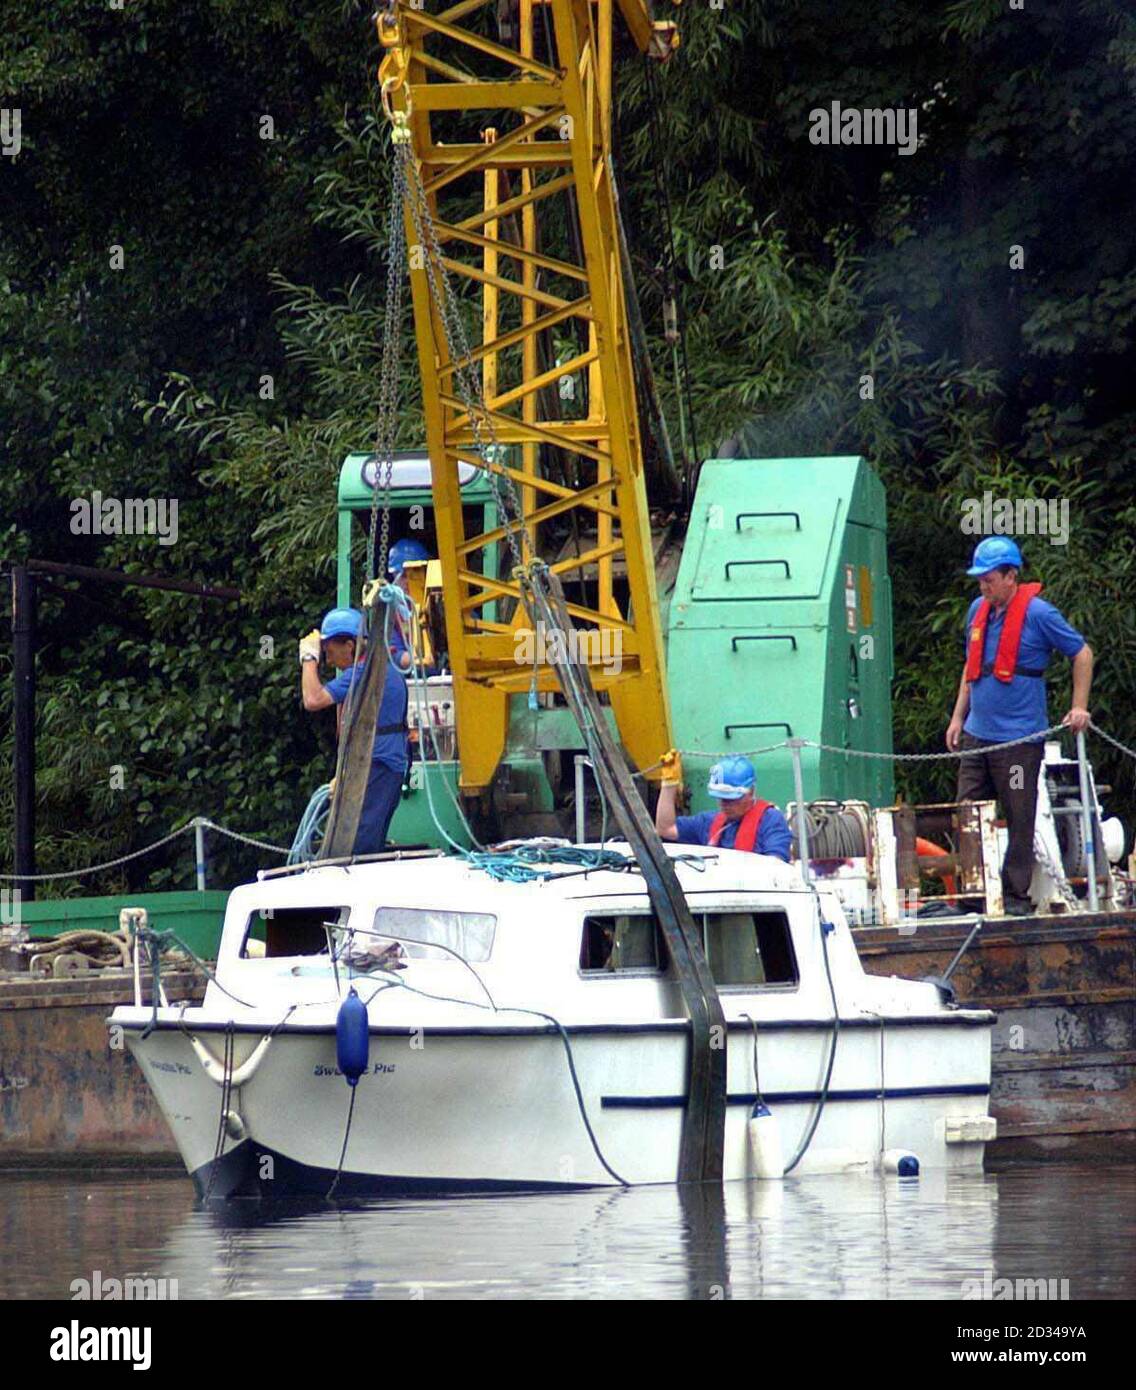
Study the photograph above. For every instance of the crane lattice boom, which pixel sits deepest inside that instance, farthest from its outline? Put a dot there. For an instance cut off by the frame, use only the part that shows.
(512, 152)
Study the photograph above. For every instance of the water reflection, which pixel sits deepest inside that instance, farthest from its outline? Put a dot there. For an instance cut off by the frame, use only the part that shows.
(824, 1238)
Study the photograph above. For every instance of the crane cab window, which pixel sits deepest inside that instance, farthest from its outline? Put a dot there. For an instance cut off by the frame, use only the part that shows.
(753, 949)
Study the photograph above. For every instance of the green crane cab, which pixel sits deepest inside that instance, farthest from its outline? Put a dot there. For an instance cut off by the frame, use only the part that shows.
(778, 625)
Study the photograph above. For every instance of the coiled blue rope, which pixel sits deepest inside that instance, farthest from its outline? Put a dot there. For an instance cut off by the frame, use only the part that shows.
(313, 824)
(523, 863)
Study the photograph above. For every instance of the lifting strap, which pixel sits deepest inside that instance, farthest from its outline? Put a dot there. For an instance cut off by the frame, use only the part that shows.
(356, 742)
(702, 1145)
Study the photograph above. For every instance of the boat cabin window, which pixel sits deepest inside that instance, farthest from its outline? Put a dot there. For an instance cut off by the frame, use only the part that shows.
(291, 931)
(621, 941)
(466, 934)
(749, 948)
(742, 948)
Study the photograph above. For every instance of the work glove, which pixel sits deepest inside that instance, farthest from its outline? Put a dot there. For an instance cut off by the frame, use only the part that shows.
(672, 769)
(310, 646)
(331, 789)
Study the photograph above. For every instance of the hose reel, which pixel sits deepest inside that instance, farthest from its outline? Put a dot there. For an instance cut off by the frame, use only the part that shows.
(836, 829)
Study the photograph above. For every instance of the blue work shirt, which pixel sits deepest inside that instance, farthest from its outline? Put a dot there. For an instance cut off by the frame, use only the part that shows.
(773, 834)
(1004, 710)
(398, 647)
(389, 749)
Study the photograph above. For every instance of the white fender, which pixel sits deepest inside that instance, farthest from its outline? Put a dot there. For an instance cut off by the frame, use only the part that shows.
(215, 1071)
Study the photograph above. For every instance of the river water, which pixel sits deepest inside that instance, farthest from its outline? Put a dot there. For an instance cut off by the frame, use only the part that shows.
(811, 1238)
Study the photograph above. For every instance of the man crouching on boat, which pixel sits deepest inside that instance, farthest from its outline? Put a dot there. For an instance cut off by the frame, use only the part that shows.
(339, 639)
(742, 822)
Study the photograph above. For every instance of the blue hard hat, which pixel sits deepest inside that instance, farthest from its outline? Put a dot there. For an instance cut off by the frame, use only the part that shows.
(405, 552)
(731, 779)
(992, 552)
(341, 622)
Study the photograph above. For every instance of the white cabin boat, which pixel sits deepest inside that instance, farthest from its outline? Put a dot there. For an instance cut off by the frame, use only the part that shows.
(483, 998)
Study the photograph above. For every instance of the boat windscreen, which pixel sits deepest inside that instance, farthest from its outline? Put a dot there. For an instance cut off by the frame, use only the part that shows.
(465, 934)
(291, 931)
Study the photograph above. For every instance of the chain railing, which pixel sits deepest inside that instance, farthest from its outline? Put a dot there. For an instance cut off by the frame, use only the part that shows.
(793, 745)
(197, 824)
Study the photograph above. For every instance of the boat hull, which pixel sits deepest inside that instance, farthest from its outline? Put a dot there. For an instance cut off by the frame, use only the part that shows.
(460, 1110)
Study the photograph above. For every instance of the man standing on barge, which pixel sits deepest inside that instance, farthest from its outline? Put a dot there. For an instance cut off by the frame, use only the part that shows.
(1011, 634)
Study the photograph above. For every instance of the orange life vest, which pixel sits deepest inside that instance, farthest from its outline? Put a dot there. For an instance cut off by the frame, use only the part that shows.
(747, 830)
(1006, 658)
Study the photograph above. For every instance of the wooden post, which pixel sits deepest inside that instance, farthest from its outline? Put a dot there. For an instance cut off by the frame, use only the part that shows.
(23, 721)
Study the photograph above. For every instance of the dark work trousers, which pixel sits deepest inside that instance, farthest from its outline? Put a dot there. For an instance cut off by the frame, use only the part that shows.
(992, 777)
(384, 786)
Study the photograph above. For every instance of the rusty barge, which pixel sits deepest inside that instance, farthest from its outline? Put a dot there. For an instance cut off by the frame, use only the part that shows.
(1062, 980)
(68, 1096)
(1063, 1084)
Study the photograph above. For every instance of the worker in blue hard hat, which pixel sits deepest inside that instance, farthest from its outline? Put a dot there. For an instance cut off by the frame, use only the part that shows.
(402, 553)
(340, 641)
(1011, 633)
(741, 822)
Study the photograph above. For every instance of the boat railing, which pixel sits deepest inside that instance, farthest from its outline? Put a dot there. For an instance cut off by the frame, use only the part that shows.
(347, 861)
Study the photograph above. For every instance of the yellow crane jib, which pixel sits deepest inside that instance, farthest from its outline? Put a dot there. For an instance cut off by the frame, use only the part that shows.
(527, 218)
(544, 403)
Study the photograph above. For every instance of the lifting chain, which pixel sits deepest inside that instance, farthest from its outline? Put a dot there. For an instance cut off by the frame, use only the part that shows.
(387, 426)
(467, 380)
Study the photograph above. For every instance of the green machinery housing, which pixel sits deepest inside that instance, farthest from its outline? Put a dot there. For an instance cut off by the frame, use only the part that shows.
(778, 625)
(526, 783)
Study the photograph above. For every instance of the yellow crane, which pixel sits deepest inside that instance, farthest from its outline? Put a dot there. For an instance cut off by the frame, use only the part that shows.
(511, 186)
(504, 167)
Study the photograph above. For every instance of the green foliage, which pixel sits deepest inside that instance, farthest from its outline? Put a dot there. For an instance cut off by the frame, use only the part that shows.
(142, 129)
(850, 262)
(837, 299)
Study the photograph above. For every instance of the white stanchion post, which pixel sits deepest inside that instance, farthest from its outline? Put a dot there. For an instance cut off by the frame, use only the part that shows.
(1087, 823)
(580, 762)
(199, 851)
(795, 745)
